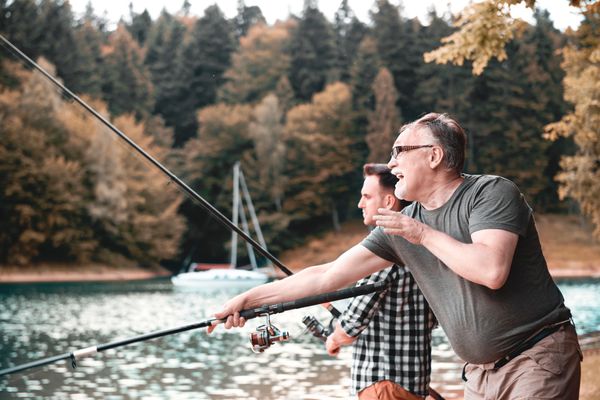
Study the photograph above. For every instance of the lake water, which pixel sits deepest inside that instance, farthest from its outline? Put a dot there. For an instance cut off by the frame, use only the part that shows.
(42, 320)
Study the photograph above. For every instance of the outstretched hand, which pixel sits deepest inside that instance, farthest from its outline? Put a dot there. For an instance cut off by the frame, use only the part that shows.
(396, 223)
(230, 314)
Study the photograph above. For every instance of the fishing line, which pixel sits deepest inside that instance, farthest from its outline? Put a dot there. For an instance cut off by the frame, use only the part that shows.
(172, 177)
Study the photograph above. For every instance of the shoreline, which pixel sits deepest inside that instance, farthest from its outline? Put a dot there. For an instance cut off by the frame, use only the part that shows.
(572, 255)
(104, 273)
(94, 273)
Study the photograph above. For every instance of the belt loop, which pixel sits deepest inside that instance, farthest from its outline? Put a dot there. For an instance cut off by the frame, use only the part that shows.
(464, 376)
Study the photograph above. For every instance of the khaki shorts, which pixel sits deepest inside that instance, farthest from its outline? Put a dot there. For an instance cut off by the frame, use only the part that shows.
(386, 390)
(549, 370)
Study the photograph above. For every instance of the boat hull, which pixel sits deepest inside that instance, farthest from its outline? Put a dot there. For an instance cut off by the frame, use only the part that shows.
(220, 278)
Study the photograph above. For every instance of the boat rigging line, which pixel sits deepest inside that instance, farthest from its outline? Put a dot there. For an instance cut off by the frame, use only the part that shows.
(261, 340)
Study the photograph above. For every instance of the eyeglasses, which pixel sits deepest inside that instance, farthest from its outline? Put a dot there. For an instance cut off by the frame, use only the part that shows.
(396, 150)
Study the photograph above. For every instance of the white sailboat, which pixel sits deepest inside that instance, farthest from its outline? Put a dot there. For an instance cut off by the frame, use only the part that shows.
(228, 276)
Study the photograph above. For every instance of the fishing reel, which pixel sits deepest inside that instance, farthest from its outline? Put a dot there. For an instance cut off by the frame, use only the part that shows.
(316, 328)
(266, 335)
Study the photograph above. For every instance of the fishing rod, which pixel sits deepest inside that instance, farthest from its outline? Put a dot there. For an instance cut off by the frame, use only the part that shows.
(260, 340)
(174, 178)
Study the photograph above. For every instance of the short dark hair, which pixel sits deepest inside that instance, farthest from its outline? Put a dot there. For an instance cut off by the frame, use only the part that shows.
(386, 178)
(449, 135)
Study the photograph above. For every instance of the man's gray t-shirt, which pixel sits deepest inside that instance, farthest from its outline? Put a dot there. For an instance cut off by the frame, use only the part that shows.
(482, 324)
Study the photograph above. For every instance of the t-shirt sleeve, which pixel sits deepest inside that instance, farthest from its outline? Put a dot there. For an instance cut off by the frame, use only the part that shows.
(498, 204)
(379, 244)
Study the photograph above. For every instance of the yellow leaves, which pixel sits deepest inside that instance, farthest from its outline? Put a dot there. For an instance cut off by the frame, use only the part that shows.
(484, 30)
(258, 64)
(322, 119)
(580, 175)
(319, 150)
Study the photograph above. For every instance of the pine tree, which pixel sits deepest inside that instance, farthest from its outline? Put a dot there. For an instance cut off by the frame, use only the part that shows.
(313, 54)
(58, 41)
(163, 50)
(363, 73)
(126, 86)
(442, 88)
(546, 76)
(88, 74)
(21, 24)
(364, 69)
(140, 25)
(204, 60)
(349, 32)
(384, 121)
(512, 109)
(246, 18)
(395, 40)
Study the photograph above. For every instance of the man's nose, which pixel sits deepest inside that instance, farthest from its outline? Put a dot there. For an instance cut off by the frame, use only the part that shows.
(392, 163)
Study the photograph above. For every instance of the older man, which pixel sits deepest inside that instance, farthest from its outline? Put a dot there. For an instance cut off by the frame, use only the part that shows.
(471, 243)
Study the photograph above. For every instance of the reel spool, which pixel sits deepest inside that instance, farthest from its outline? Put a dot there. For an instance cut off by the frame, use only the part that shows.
(266, 335)
(315, 327)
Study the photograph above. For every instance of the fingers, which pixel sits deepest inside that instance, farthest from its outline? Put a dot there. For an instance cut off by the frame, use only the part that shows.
(212, 327)
(333, 348)
(228, 320)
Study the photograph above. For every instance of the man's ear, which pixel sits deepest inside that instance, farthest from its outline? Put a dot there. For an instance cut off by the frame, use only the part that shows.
(390, 201)
(436, 157)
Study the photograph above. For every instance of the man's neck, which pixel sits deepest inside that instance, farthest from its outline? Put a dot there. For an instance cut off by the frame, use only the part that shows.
(441, 192)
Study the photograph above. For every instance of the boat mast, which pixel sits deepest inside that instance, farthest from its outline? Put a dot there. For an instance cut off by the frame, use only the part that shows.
(252, 212)
(235, 207)
(249, 248)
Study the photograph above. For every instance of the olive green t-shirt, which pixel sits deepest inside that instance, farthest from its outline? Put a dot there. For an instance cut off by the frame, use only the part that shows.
(482, 324)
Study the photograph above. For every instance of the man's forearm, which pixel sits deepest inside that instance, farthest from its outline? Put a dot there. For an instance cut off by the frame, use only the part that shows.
(290, 288)
(311, 281)
(486, 261)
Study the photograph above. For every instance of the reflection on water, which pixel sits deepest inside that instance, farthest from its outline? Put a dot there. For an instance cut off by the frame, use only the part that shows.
(43, 320)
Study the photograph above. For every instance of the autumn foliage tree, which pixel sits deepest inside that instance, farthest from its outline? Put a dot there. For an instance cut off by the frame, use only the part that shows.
(580, 175)
(69, 193)
(321, 164)
(261, 60)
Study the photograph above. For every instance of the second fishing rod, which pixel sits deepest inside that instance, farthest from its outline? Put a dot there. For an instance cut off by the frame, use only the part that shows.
(264, 336)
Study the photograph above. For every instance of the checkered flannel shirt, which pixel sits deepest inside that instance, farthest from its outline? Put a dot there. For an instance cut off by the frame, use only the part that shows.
(394, 333)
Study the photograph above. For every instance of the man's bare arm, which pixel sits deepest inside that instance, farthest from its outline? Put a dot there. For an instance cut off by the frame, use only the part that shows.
(354, 264)
(486, 261)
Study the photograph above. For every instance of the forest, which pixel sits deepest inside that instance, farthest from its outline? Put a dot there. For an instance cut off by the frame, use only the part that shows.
(302, 103)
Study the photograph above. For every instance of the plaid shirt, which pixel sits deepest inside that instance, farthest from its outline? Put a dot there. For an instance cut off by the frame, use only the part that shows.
(394, 333)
